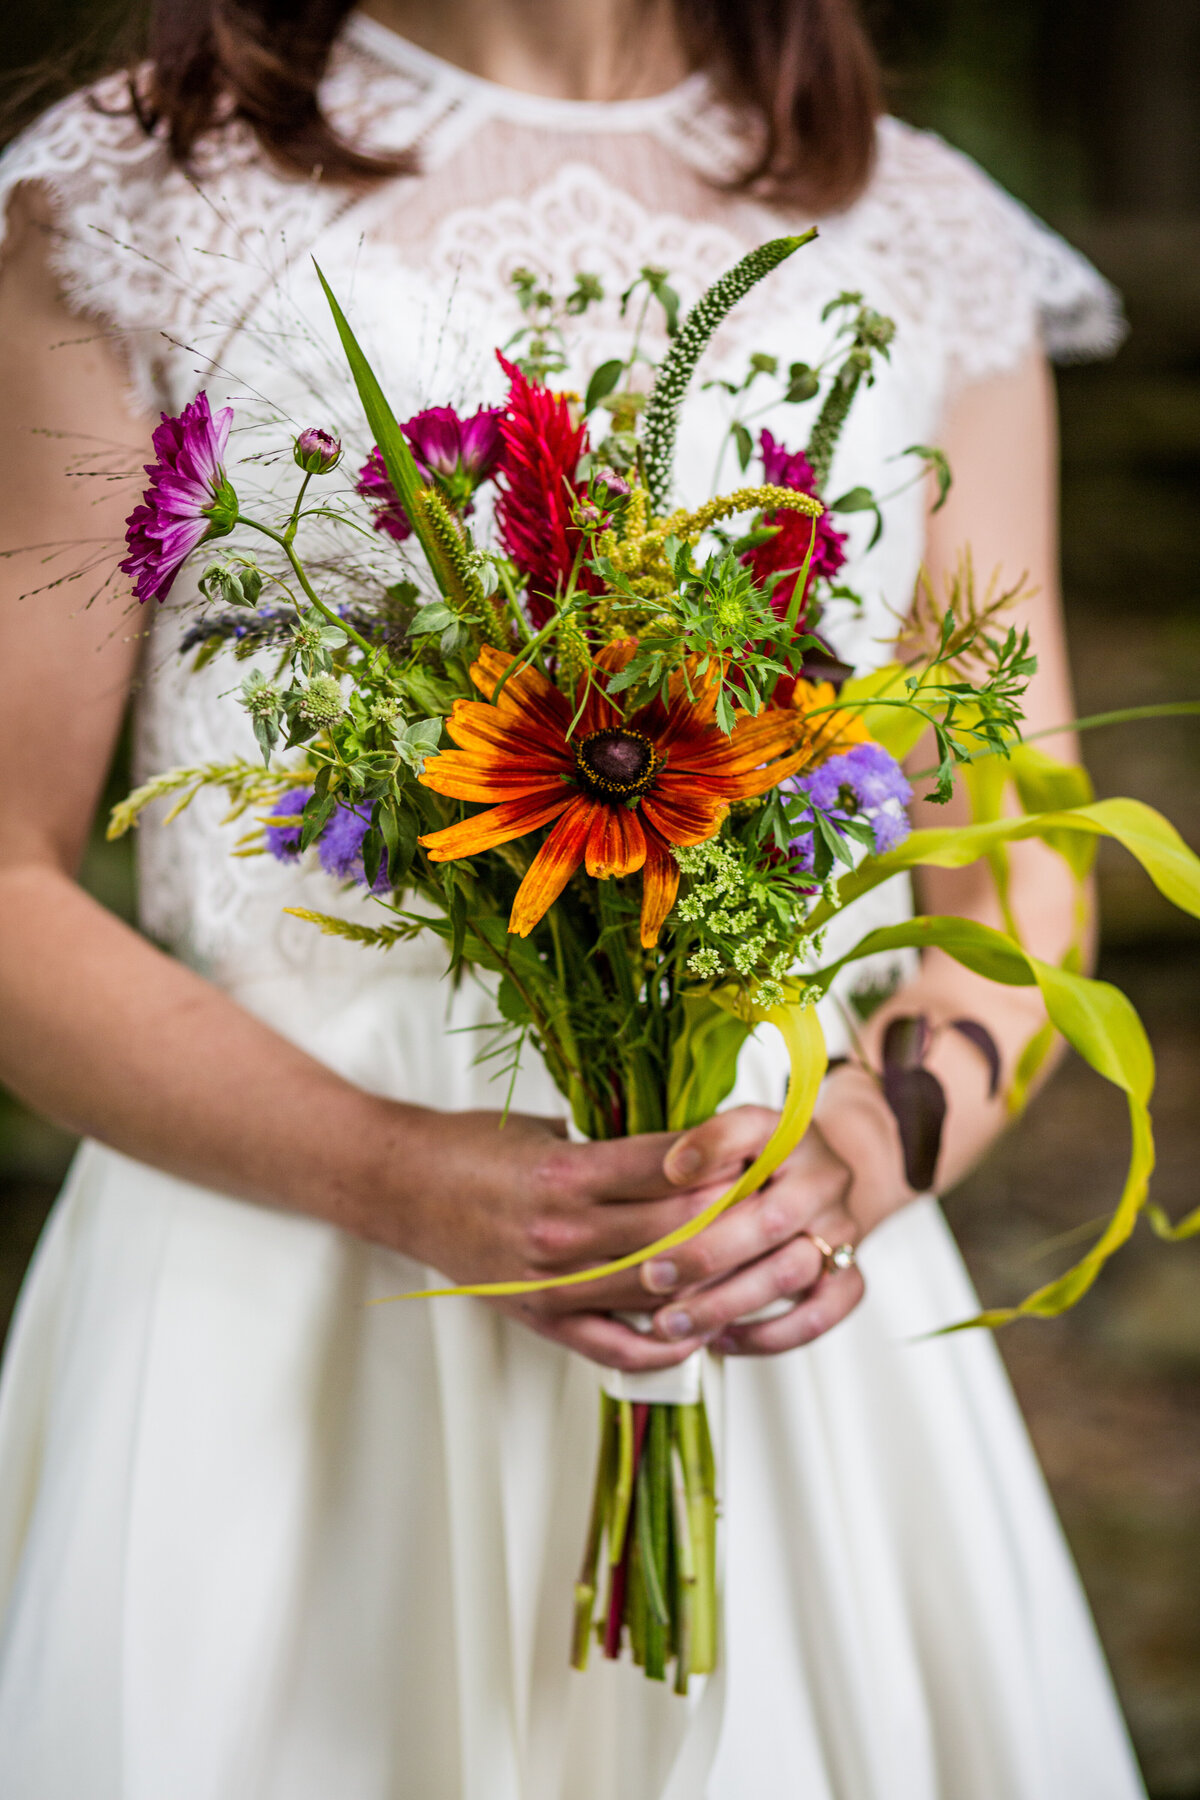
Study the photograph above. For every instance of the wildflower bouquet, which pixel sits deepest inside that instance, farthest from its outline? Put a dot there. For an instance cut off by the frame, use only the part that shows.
(607, 755)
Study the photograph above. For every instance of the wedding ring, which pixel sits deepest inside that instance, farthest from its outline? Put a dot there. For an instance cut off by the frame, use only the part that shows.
(834, 1256)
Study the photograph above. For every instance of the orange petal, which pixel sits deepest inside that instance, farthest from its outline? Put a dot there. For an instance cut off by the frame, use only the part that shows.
(474, 725)
(660, 884)
(466, 777)
(682, 816)
(552, 867)
(512, 819)
(616, 843)
(527, 694)
(754, 741)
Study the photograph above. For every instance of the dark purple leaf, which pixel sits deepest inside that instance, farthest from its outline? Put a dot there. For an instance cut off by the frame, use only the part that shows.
(917, 1098)
(985, 1043)
(905, 1042)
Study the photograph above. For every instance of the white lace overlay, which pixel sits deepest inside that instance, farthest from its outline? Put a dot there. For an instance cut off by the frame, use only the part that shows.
(207, 279)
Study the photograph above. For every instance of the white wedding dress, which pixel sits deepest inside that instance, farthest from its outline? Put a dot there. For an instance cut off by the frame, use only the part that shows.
(260, 1542)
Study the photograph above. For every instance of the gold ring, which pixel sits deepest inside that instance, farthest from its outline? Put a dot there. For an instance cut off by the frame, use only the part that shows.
(834, 1256)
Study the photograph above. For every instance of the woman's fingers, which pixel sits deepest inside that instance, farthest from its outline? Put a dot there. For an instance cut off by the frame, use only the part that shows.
(794, 1268)
(834, 1297)
(811, 1180)
(606, 1340)
(721, 1148)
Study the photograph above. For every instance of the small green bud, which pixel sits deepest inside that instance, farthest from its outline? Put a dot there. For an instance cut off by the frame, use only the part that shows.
(321, 703)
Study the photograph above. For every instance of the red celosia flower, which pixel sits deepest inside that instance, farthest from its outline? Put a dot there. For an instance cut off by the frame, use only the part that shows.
(539, 490)
(619, 791)
(789, 547)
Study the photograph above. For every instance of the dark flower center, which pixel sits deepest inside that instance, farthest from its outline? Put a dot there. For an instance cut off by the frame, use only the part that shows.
(616, 765)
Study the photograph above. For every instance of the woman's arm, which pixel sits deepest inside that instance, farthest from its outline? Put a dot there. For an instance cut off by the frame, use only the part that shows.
(1002, 443)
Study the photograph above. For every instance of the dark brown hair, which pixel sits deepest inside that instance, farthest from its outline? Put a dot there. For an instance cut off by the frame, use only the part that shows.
(802, 71)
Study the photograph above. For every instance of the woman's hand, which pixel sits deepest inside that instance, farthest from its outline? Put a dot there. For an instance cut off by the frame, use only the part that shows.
(840, 1181)
(518, 1201)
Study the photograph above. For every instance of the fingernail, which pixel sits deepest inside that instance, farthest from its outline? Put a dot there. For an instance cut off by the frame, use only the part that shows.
(660, 1277)
(684, 1162)
(676, 1324)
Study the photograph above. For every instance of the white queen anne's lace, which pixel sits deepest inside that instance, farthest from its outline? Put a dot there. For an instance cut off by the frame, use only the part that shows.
(206, 279)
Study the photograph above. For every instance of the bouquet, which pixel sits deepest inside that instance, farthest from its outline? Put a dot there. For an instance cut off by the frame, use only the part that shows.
(607, 754)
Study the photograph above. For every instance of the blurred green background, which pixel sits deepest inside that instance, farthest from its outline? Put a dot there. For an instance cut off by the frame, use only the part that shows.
(1089, 110)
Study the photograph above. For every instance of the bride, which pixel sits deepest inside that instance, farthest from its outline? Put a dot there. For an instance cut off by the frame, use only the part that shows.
(259, 1541)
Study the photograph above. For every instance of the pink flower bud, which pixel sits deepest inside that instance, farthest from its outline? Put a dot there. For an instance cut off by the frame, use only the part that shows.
(317, 451)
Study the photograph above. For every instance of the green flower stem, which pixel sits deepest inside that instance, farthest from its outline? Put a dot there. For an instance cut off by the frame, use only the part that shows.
(293, 522)
(699, 1475)
(289, 550)
(585, 1585)
(685, 1562)
(1125, 715)
(622, 1489)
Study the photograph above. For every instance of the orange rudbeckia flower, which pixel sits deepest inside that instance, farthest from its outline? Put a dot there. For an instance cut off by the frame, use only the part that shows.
(619, 792)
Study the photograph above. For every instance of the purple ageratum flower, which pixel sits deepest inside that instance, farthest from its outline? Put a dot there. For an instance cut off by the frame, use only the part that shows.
(189, 497)
(317, 451)
(340, 848)
(459, 454)
(864, 783)
(283, 841)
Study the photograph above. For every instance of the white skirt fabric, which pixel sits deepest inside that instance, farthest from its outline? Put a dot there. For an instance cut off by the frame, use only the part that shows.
(259, 1541)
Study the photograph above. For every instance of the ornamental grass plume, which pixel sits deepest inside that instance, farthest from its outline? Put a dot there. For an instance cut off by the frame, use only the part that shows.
(619, 792)
(188, 500)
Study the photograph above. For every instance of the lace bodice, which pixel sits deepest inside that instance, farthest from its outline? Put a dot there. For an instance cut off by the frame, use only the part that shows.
(206, 280)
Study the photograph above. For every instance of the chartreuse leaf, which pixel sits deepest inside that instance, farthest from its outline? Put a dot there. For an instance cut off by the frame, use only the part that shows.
(1046, 785)
(398, 459)
(896, 726)
(1103, 1027)
(1152, 840)
(801, 1032)
(704, 1059)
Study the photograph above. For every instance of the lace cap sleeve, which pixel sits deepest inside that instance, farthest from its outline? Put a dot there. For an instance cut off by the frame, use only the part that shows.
(999, 279)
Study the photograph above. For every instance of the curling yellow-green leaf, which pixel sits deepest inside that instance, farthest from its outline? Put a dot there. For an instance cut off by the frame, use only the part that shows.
(800, 1029)
(1029, 1065)
(1099, 1022)
(1153, 840)
(1044, 785)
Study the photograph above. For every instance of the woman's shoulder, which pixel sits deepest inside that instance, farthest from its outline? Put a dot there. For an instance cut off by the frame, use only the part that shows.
(996, 273)
(160, 254)
(91, 142)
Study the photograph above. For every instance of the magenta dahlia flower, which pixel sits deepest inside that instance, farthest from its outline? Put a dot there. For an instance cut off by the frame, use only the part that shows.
(458, 454)
(787, 550)
(189, 497)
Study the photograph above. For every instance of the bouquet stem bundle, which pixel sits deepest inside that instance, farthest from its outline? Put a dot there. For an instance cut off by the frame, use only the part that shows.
(649, 1560)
